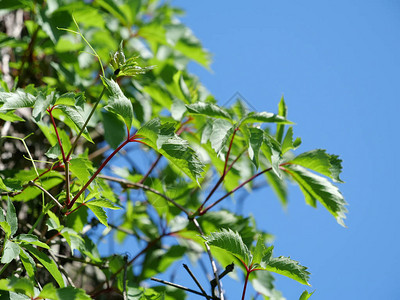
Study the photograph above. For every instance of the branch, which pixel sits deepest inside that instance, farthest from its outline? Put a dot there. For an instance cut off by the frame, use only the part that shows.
(234, 190)
(213, 265)
(129, 184)
(195, 280)
(181, 287)
(32, 183)
(151, 168)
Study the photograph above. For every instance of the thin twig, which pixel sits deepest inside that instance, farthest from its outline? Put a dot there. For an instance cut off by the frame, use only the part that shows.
(234, 190)
(179, 287)
(130, 184)
(61, 268)
(213, 265)
(124, 293)
(228, 269)
(195, 280)
(154, 164)
(46, 192)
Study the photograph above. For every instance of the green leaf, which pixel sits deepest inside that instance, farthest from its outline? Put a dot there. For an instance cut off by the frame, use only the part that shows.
(48, 263)
(282, 111)
(118, 103)
(10, 116)
(272, 151)
(10, 252)
(41, 104)
(28, 262)
(315, 188)
(288, 143)
(231, 242)
(75, 114)
(162, 138)
(305, 295)
(81, 168)
(289, 268)
(99, 212)
(22, 285)
(259, 251)
(208, 109)
(15, 100)
(69, 292)
(11, 217)
(31, 239)
(114, 130)
(255, 142)
(103, 203)
(263, 117)
(221, 131)
(278, 185)
(113, 9)
(319, 161)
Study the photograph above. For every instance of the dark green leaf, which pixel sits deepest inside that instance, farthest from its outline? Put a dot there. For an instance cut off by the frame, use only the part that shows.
(255, 142)
(99, 212)
(319, 161)
(75, 114)
(28, 262)
(10, 252)
(48, 263)
(208, 109)
(42, 103)
(162, 138)
(118, 103)
(114, 129)
(231, 242)
(11, 217)
(315, 188)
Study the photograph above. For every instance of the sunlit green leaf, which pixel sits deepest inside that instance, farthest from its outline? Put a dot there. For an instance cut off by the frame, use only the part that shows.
(231, 242)
(10, 252)
(255, 142)
(289, 268)
(31, 239)
(162, 138)
(319, 161)
(305, 295)
(318, 188)
(207, 109)
(118, 103)
(263, 117)
(28, 262)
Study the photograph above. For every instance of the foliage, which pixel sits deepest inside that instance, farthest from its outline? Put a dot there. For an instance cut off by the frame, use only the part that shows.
(71, 114)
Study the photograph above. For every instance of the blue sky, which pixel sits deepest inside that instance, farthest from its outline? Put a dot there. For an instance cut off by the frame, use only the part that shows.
(337, 64)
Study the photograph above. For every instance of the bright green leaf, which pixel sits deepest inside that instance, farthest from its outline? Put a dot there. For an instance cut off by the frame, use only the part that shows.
(282, 111)
(288, 143)
(305, 295)
(289, 268)
(75, 114)
(118, 103)
(31, 239)
(99, 212)
(319, 161)
(315, 188)
(103, 203)
(221, 132)
(208, 109)
(10, 252)
(15, 100)
(231, 242)
(263, 117)
(272, 151)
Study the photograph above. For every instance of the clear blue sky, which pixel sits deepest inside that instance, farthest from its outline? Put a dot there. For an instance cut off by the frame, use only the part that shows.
(337, 63)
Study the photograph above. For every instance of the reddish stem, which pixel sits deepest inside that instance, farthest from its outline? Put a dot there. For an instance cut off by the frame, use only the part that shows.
(234, 190)
(245, 283)
(224, 172)
(98, 171)
(58, 136)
